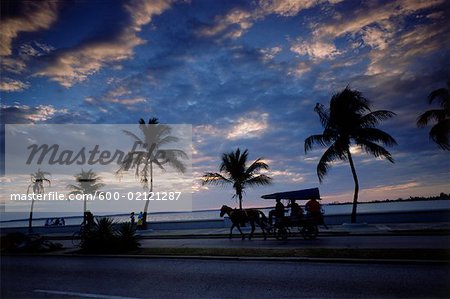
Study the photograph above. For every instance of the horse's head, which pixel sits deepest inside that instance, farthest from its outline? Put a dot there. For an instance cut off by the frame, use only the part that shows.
(223, 210)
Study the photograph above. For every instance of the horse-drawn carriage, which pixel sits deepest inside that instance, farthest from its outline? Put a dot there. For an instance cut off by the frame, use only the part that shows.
(305, 225)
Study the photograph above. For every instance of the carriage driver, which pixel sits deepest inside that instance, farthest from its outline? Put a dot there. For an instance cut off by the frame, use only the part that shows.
(313, 208)
(278, 212)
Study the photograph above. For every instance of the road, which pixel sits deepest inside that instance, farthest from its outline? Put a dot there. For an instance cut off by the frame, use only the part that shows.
(433, 242)
(74, 277)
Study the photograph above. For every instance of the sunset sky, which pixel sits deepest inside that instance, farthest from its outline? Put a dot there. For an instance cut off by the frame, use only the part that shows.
(245, 74)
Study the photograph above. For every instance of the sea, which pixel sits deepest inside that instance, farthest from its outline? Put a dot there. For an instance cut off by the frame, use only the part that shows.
(12, 219)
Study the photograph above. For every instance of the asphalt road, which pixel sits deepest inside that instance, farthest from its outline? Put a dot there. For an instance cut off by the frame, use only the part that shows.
(434, 242)
(75, 277)
(423, 242)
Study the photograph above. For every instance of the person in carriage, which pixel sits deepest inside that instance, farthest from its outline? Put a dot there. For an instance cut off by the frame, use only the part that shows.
(314, 210)
(296, 211)
(278, 212)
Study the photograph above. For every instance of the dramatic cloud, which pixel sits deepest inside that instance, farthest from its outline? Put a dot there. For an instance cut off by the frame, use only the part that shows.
(245, 74)
(77, 64)
(34, 16)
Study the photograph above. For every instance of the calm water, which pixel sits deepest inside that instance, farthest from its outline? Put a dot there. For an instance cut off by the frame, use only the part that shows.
(39, 220)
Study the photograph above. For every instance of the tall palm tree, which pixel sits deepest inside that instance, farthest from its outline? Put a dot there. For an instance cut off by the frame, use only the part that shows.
(152, 152)
(233, 170)
(440, 132)
(37, 185)
(88, 182)
(344, 123)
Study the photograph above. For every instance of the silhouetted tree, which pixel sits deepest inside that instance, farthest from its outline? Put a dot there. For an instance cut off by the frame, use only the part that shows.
(154, 136)
(440, 132)
(346, 122)
(233, 170)
(88, 182)
(37, 184)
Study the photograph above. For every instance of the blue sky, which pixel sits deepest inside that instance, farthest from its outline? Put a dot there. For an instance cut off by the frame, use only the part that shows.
(244, 73)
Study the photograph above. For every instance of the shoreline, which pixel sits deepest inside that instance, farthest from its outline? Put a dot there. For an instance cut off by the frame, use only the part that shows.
(336, 213)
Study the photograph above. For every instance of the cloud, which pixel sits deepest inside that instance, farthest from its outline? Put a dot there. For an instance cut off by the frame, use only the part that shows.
(376, 38)
(251, 126)
(20, 114)
(76, 65)
(35, 16)
(316, 50)
(381, 15)
(300, 69)
(269, 54)
(12, 65)
(35, 49)
(237, 21)
(118, 94)
(127, 101)
(11, 85)
(418, 41)
(284, 175)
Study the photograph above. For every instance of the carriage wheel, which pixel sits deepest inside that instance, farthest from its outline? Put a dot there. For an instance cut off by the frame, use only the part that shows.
(310, 232)
(76, 239)
(281, 233)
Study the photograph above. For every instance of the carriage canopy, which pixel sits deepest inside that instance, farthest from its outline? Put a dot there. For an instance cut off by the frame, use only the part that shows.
(303, 194)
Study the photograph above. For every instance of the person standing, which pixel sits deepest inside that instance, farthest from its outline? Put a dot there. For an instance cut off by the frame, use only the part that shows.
(132, 218)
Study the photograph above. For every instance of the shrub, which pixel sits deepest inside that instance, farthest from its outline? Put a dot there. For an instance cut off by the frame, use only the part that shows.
(106, 236)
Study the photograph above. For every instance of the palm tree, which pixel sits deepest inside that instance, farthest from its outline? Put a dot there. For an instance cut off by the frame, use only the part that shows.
(344, 123)
(233, 170)
(154, 137)
(37, 184)
(440, 132)
(88, 182)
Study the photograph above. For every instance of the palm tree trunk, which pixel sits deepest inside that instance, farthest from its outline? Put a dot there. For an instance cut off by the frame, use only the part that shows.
(144, 216)
(355, 178)
(240, 201)
(30, 220)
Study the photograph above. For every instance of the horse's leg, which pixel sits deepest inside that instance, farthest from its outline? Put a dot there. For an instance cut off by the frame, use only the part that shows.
(239, 228)
(252, 223)
(231, 231)
(263, 228)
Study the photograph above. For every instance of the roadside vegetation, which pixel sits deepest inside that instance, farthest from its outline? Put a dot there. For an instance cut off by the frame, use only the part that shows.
(106, 236)
(27, 243)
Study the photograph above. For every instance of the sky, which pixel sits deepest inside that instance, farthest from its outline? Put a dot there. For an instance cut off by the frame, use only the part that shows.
(244, 74)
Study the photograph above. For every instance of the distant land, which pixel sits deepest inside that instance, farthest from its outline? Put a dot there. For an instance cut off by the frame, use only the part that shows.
(441, 196)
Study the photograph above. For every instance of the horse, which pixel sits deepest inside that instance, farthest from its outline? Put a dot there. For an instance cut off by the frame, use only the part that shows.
(238, 217)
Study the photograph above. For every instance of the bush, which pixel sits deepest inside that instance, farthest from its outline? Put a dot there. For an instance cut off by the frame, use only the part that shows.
(22, 243)
(106, 236)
